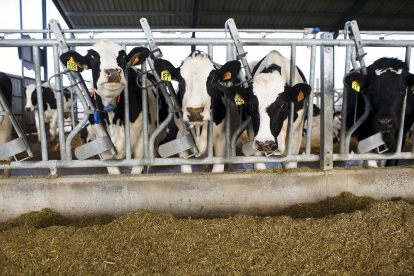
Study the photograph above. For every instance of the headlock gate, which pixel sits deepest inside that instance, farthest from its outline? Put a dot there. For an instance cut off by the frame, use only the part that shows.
(326, 43)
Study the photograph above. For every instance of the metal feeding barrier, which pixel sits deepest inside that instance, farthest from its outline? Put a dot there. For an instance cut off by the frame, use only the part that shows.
(164, 84)
(101, 144)
(15, 146)
(235, 50)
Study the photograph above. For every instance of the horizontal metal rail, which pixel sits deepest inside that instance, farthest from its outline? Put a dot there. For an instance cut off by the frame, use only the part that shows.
(207, 41)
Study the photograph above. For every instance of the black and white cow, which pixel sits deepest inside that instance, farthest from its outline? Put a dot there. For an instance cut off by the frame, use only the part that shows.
(108, 61)
(198, 94)
(267, 101)
(386, 85)
(49, 106)
(316, 125)
(6, 125)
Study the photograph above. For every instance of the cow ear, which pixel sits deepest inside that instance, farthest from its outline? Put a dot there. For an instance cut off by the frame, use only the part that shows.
(239, 95)
(74, 61)
(356, 82)
(137, 56)
(410, 82)
(229, 71)
(166, 70)
(298, 92)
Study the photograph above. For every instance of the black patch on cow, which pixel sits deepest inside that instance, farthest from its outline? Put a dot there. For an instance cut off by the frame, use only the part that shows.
(386, 93)
(198, 53)
(256, 67)
(273, 67)
(66, 94)
(7, 88)
(48, 98)
(94, 63)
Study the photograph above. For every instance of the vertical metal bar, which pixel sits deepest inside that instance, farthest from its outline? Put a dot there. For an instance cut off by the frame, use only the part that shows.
(291, 105)
(228, 108)
(344, 115)
(127, 125)
(210, 122)
(401, 129)
(326, 152)
(36, 57)
(310, 100)
(59, 102)
(145, 109)
(44, 25)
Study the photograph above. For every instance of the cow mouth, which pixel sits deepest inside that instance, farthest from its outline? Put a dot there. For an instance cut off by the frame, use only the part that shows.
(112, 85)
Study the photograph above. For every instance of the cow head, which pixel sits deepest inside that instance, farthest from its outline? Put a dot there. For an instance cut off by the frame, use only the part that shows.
(107, 61)
(49, 99)
(267, 101)
(385, 84)
(196, 89)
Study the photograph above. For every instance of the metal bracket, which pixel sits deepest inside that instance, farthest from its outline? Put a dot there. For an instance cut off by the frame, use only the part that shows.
(176, 146)
(373, 142)
(18, 145)
(95, 147)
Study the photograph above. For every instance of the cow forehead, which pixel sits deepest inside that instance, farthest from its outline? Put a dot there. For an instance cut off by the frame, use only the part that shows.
(196, 67)
(107, 49)
(267, 87)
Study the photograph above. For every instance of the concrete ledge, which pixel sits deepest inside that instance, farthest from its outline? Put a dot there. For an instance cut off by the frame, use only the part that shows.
(196, 194)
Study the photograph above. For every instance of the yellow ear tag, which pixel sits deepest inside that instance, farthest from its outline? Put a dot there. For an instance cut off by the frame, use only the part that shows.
(301, 96)
(227, 76)
(165, 75)
(71, 65)
(412, 88)
(355, 86)
(238, 99)
(135, 61)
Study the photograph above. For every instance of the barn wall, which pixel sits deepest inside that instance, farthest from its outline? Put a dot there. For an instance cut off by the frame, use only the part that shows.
(196, 194)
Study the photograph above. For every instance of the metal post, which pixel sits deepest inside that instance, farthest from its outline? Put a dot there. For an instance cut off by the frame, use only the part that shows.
(228, 108)
(59, 102)
(326, 151)
(210, 122)
(310, 100)
(144, 109)
(344, 113)
(36, 57)
(126, 116)
(291, 105)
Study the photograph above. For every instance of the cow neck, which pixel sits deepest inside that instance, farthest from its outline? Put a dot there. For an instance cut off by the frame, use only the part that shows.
(104, 102)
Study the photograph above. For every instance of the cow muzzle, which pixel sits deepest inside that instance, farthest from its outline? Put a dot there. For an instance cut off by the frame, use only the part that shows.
(113, 75)
(266, 146)
(386, 124)
(195, 114)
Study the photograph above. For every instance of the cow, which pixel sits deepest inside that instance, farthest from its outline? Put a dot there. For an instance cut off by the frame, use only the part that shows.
(6, 125)
(316, 125)
(199, 92)
(385, 84)
(108, 61)
(49, 106)
(267, 102)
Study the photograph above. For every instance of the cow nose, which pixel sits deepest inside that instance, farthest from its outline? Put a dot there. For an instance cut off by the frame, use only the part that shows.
(385, 123)
(27, 108)
(267, 146)
(113, 75)
(194, 114)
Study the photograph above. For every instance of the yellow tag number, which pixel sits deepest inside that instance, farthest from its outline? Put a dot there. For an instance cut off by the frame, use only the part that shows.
(238, 99)
(165, 75)
(135, 61)
(301, 96)
(355, 86)
(71, 65)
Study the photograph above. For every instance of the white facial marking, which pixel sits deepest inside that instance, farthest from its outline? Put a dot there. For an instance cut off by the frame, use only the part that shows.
(382, 71)
(195, 71)
(108, 52)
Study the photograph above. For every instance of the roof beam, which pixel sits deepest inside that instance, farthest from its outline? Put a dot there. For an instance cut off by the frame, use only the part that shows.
(233, 14)
(349, 14)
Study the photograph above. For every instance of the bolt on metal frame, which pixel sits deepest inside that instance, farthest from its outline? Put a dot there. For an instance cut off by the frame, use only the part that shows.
(326, 157)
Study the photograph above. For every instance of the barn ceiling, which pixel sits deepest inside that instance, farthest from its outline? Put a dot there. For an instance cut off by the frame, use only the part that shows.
(328, 15)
